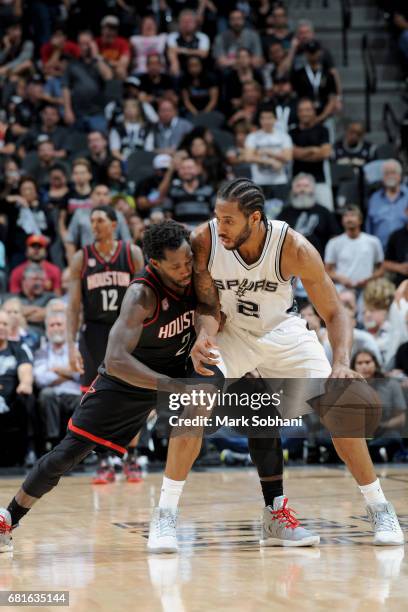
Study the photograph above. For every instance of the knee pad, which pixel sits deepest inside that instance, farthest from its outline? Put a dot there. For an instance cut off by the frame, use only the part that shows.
(267, 455)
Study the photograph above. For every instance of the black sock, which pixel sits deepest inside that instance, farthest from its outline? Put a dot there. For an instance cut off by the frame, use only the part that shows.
(17, 512)
(131, 451)
(271, 489)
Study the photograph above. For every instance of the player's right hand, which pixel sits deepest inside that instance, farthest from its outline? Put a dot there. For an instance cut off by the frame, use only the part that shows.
(204, 351)
(75, 359)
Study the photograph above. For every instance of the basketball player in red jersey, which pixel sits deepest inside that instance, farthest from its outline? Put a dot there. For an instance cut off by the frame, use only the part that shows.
(100, 274)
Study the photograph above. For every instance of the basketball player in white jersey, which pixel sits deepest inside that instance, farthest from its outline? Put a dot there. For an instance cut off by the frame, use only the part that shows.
(244, 266)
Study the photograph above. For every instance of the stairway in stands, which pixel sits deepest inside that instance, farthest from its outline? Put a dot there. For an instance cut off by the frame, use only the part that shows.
(366, 19)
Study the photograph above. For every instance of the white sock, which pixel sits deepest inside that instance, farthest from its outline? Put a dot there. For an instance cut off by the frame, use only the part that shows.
(373, 493)
(170, 493)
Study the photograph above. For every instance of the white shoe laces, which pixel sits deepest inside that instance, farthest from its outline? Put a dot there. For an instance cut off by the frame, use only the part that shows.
(166, 524)
(385, 521)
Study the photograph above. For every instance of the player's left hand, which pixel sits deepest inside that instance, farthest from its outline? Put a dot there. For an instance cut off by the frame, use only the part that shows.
(339, 370)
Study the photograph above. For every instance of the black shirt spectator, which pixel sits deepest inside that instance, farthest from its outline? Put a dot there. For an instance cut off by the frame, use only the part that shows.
(311, 143)
(285, 103)
(316, 82)
(191, 201)
(154, 83)
(396, 254)
(50, 128)
(28, 112)
(199, 89)
(11, 358)
(242, 72)
(276, 29)
(99, 156)
(185, 42)
(353, 149)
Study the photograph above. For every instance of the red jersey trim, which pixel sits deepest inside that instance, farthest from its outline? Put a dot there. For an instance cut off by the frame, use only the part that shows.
(107, 261)
(129, 258)
(171, 294)
(156, 312)
(97, 439)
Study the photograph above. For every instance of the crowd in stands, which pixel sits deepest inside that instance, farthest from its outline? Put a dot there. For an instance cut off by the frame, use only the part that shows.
(149, 107)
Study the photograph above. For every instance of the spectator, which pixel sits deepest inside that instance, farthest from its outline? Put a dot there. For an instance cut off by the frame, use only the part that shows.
(311, 148)
(36, 254)
(25, 216)
(116, 180)
(353, 258)
(167, 134)
(16, 385)
(11, 178)
(285, 103)
(136, 227)
(131, 89)
(155, 83)
(147, 44)
(129, 136)
(236, 153)
(353, 149)
(269, 150)
(80, 230)
(393, 406)
(278, 65)
(147, 192)
(227, 43)
(60, 391)
(43, 161)
(210, 165)
(114, 49)
(16, 54)
(387, 207)
(27, 113)
(186, 41)
(277, 29)
(316, 82)
(400, 21)
(55, 195)
(191, 201)
(241, 73)
(79, 196)
(249, 105)
(55, 51)
(124, 204)
(307, 217)
(396, 253)
(378, 297)
(99, 156)
(51, 128)
(18, 329)
(83, 86)
(303, 35)
(199, 89)
(34, 297)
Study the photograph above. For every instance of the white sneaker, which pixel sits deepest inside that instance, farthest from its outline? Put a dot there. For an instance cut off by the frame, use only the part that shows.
(281, 528)
(387, 530)
(6, 544)
(162, 533)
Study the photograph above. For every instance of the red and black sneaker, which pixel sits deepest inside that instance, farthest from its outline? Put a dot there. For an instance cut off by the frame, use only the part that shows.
(5, 531)
(132, 471)
(104, 475)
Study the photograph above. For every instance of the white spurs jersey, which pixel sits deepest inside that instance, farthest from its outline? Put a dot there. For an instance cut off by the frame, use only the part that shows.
(253, 296)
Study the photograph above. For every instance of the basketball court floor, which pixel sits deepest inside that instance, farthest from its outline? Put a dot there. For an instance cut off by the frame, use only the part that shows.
(90, 541)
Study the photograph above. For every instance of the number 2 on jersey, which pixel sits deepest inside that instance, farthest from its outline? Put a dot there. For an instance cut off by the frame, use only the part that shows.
(185, 341)
(249, 309)
(109, 299)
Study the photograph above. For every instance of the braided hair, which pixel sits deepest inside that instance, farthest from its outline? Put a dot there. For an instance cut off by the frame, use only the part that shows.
(246, 193)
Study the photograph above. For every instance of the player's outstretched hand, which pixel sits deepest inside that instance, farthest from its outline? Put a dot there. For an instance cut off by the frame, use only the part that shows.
(204, 351)
(342, 371)
(75, 360)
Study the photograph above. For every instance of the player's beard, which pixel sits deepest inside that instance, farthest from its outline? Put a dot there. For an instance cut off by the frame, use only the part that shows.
(241, 238)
